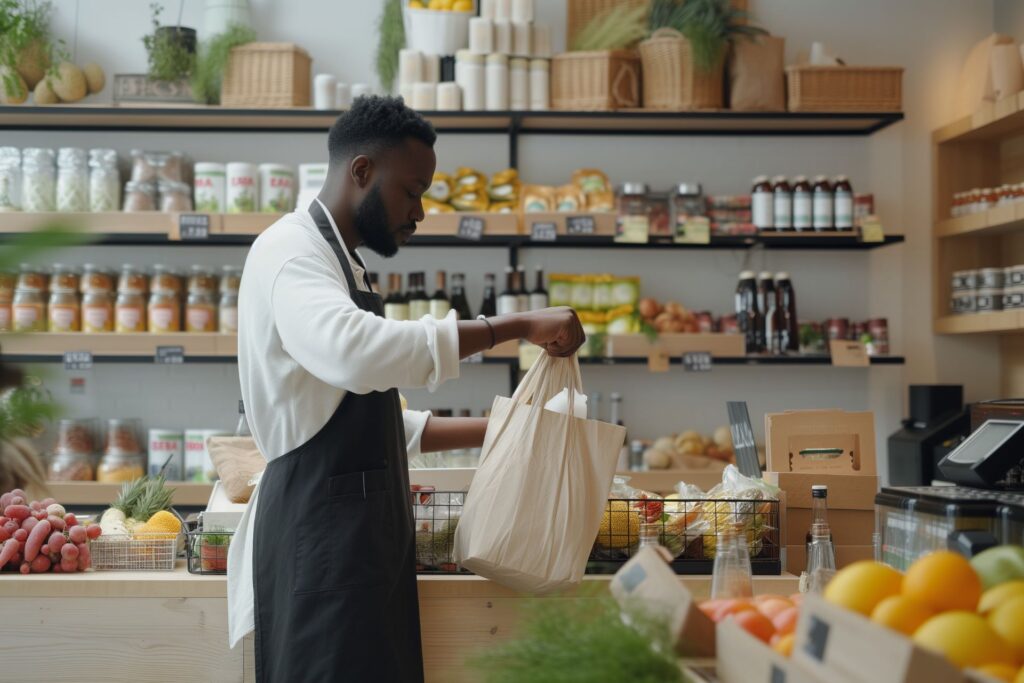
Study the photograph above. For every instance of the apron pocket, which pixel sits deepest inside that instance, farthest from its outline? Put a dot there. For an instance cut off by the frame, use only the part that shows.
(354, 543)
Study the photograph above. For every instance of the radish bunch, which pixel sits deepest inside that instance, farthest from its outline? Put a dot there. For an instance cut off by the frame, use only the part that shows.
(39, 536)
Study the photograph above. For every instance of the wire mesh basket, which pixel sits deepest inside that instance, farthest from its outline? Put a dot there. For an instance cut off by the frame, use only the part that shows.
(436, 514)
(688, 528)
(207, 551)
(138, 552)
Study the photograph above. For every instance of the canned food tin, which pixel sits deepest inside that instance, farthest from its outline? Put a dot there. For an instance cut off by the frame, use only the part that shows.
(963, 301)
(838, 328)
(988, 299)
(989, 278)
(1013, 297)
(964, 280)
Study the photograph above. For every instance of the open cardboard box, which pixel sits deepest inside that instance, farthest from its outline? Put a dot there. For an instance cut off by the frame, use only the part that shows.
(821, 442)
(646, 581)
(840, 646)
(742, 658)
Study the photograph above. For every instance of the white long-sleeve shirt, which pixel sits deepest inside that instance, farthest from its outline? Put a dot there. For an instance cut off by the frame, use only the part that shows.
(302, 345)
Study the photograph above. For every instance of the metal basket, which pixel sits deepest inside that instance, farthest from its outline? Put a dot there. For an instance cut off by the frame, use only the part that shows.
(207, 551)
(688, 528)
(139, 552)
(436, 514)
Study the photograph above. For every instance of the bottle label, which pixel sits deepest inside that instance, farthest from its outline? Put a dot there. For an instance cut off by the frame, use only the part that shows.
(762, 205)
(63, 319)
(844, 210)
(802, 211)
(823, 212)
(228, 320)
(418, 309)
(160, 319)
(508, 304)
(97, 319)
(439, 309)
(198, 320)
(538, 301)
(396, 311)
(783, 210)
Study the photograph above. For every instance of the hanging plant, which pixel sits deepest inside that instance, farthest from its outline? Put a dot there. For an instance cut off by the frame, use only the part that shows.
(171, 50)
(27, 52)
(212, 60)
(391, 39)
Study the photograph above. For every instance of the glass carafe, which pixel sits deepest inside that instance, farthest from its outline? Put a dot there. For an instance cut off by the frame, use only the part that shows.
(731, 576)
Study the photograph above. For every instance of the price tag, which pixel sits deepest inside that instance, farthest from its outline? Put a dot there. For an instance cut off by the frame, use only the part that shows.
(475, 358)
(657, 360)
(871, 230)
(817, 639)
(697, 361)
(849, 354)
(528, 355)
(77, 386)
(470, 228)
(696, 230)
(633, 229)
(77, 360)
(170, 355)
(194, 227)
(580, 225)
(544, 232)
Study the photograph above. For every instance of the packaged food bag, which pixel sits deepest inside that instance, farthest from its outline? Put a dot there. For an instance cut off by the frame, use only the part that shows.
(537, 498)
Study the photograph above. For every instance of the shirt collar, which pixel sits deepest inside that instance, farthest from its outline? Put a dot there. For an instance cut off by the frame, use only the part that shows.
(357, 269)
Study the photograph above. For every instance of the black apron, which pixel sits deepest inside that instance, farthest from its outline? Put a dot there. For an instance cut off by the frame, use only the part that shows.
(334, 574)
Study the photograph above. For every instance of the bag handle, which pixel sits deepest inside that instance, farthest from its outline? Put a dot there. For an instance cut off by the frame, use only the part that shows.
(548, 376)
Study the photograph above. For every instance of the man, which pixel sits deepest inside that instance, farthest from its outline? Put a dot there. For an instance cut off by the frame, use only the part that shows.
(323, 565)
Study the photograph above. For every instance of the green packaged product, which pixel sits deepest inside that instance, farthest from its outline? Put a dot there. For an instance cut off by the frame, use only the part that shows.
(560, 289)
(626, 291)
(583, 293)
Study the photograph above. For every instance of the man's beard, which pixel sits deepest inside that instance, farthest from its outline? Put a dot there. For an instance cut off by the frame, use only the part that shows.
(371, 222)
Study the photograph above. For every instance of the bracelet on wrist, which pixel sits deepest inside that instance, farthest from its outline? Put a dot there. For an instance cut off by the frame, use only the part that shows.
(490, 328)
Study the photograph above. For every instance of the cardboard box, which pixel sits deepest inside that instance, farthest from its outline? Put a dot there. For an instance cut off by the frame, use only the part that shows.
(647, 580)
(848, 527)
(845, 491)
(798, 441)
(796, 556)
(675, 344)
(840, 646)
(742, 658)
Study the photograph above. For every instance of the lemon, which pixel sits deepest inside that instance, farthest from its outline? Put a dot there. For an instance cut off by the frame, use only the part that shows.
(1000, 672)
(902, 614)
(620, 526)
(994, 597)
(1008, 621)
(462, 6)
(416, 4)
(862, 585)
(965, 639)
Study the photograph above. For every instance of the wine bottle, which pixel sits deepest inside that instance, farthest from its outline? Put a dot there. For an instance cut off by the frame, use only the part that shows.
(539, 295)
(489, 306)
(459, 301)
(522, 294)
(395, 305)
(439, 304)
(419, 304)
(508, 300)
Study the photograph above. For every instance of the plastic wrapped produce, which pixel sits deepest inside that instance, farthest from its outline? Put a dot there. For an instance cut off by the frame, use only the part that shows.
(741, 503)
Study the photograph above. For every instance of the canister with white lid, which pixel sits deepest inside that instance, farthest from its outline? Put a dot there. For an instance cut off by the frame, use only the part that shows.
(470, 75)
(449, 97)
(988, 299)
(210, 186)
(991, 278)
(481, 36)
(519, 84)
(243, 191)
(277, 188)
(497, 82)
(540, 85)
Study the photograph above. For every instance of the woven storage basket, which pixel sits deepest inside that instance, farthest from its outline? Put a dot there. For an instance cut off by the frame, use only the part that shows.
(845, 88)
(672, 80)
(266, 75)
(581, 12)
(603, 80)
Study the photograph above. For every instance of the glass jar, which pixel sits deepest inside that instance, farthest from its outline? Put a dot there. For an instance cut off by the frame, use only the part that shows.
(687, 203)
(7, 282)
(175, 197)
(228, 314)
(38, 180)
(104, 180)
(32, 277)
(130, 312)
(230, 279)
(64, 311)
(10, 179)
(72, 180)
(28, 311)
(70, 466)
(139, 196)
(165, 279)
(201, 281)
(201, 312)
(64, 277)
(97, 311)
(634, 219)
(132, 281)
(96, 279)
(164, 312)
(122, 437)
(75, 436)
(121, 467)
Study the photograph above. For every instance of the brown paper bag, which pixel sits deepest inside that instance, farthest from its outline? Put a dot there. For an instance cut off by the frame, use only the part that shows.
(757, 74)
(975, 85)
(535, 505)
(237, 460)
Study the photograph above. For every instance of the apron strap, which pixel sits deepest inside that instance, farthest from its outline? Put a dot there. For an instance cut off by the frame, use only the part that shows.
(324, 225)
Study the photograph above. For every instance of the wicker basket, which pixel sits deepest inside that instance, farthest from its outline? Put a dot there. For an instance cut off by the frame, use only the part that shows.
(603, 80)
(581, 12)
(671, 79)
(845, 88)
(266, 75)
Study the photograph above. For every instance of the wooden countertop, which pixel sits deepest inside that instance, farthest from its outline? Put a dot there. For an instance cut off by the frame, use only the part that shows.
(180, 584)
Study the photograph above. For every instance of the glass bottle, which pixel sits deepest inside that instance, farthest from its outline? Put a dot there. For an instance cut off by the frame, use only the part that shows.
(395, 305)
(243, 425)
(821, 560)
(508, 300)
(636, 456)
(762, 204)
(489, 305)
(823, 205)
(594, 403)
(439, 303)
(615, 418)
(731, 575)
(782, 195)
(819, 513)
(650, 535)
(72, 180)
(539, 295)
(803, 211)
(774, 321)
(748, 315)
(843, 204)
(419, 305)
(522, 295)
(459, 301)
(104, 181)
(787, 307)
(374, 283)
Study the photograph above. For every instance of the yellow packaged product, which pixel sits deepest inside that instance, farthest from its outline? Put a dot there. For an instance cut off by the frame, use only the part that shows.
(623, 320)
(505, 186)
(560, 289)
(432, 207)
(537, 199)
(468, 176)
(591, 181)
(568, 199)
(503, 207)
(600, 202)
(582, 297)
(441, 187)
(602, 292)
(471, 201)
(626, 290)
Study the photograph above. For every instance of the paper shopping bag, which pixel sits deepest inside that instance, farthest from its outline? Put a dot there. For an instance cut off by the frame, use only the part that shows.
(535, 504)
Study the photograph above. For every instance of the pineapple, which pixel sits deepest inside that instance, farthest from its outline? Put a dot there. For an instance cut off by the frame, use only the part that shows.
(155, 497)
(138, 501)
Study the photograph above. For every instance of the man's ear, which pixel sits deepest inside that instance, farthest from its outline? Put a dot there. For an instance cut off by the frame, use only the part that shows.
(361, 170)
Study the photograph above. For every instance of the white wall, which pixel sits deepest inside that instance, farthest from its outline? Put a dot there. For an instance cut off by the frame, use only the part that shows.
(928, 37)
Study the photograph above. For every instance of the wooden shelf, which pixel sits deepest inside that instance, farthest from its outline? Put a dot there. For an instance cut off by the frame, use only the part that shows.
(92, 493)
(51, 346)
(973, 323)
(992, 121)
(1000, 219)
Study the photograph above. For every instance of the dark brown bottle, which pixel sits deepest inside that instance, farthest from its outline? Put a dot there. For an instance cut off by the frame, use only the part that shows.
(767, 301)
(489, 306)
(459, 301)
(786, 297)
(751, 323)
(823, 205)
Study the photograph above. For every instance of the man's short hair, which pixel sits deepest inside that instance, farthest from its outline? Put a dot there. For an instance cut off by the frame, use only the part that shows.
(375, 124)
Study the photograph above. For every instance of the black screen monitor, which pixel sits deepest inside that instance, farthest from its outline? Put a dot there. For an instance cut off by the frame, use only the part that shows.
(985, 456)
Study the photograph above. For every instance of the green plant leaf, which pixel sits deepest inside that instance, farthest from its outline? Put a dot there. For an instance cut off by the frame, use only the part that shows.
(710, 26)
(620, 27)
(25, 246)
(169, 59)
(213, 59)
(391, 39)
(22, 23)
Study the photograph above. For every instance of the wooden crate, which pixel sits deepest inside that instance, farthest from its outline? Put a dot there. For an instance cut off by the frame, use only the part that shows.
(266, 75)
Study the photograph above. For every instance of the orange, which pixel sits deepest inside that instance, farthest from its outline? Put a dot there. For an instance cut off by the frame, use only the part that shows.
(758, 599)
(784, 645)
(1020, 676)
(785, 621)
(1008, 621)
(756, 624)
(770, 608)
(901, 613)
(731, 607)
(797, 599)
(862, 585)
(944, 581)
(1000, 672)
(965, 639)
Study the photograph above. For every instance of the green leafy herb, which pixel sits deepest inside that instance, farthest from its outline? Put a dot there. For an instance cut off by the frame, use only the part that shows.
(596, 343)
(213, 59)
(620, 27)
(24, 410)
(169, 57)
(583, 639)
(711, 26)
(649, 331)
(391, 39)
(26, 45)
(216, 539)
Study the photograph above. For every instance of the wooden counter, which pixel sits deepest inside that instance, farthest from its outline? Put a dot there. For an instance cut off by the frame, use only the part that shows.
(164, 626)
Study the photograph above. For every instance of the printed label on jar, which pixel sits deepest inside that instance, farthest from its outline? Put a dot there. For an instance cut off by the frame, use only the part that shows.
(128, 319)
(199, 320)
(822, 213)
(783, 212)
(161, 319)
(802, 211)
(63, 319)
(844, 211)
(25, 317)
(5, 318)
(229, 320)
(762, 205)
(96, 319)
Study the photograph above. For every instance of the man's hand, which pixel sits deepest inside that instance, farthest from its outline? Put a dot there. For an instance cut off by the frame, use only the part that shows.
(557, 330)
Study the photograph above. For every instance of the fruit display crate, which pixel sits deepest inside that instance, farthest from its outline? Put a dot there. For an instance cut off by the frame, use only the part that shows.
(137, 553)
(206, 552)
(436, 515)
(689, 529)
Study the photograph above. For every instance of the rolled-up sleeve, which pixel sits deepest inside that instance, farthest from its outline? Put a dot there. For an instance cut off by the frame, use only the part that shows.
(352, 349)
(415, 422)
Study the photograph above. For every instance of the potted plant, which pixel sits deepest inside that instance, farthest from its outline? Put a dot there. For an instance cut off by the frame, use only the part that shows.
(212, 59)
(171, 50)
(684, 58)
(213, 552)
(27, 53)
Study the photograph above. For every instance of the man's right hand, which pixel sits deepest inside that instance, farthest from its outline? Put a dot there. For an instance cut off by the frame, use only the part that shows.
(557, 330)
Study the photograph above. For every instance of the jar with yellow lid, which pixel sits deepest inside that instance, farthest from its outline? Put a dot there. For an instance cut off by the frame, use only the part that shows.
(97, 311)
(132, 281)
(28, 311)
(164, 312)
(130, 312)
(64, 310)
